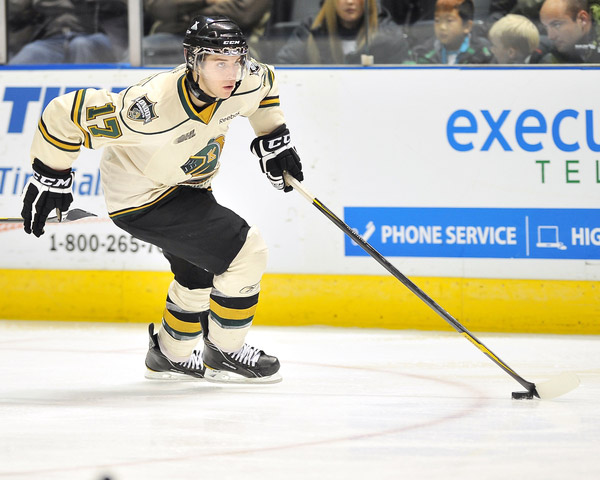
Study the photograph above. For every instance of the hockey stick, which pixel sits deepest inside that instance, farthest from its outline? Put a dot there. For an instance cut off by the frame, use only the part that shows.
(553, 388)
(61, 217)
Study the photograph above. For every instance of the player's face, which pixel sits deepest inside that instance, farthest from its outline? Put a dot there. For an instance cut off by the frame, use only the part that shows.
(563, 31)
(450, 29)
(350, 12)
(218, 74)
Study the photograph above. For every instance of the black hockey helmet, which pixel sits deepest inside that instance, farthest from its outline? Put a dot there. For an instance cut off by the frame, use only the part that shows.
(216, 34)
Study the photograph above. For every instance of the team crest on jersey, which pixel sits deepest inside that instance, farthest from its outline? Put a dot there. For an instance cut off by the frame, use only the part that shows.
(206, 160)
(142, 110)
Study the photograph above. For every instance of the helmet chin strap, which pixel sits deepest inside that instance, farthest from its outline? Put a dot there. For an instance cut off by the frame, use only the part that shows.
(196, 91)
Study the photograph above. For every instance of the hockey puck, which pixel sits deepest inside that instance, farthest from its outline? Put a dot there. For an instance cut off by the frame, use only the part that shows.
(522, 395)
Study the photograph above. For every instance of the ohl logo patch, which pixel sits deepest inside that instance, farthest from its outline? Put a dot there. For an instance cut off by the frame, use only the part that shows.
(206, 160)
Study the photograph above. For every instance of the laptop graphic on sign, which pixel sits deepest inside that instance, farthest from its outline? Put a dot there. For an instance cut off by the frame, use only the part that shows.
(548, 237)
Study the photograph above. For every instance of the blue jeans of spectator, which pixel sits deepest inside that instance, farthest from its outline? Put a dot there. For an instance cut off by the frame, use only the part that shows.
(71, 48)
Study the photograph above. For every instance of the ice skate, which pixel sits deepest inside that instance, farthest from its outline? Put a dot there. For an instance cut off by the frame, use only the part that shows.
(247, 365)
(159, 367)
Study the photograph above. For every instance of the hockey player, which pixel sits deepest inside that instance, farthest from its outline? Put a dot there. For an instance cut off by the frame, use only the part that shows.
(163, 138)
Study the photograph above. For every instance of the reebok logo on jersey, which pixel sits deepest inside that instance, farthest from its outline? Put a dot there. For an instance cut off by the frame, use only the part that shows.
(184, 137)
(228, 117)
(142, 110)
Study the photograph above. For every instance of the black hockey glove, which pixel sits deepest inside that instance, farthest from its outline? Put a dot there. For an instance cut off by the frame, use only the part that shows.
(276, 154)
(45, 191)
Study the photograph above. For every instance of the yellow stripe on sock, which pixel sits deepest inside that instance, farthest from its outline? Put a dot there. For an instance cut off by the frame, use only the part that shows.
(179, 325)
(232, 313)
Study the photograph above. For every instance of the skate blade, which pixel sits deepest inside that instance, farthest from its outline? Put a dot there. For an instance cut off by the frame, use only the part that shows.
(170, 376)
(221, 376)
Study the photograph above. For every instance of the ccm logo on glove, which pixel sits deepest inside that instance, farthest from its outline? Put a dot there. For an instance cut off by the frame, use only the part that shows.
(279, 142)
(276, 154)
(46, 190)
(54, 182)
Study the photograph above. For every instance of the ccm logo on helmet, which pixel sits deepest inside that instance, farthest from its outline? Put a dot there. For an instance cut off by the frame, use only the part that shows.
(231, 42)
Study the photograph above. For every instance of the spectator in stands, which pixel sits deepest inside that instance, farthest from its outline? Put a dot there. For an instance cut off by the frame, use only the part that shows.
(67, 31)
(527, 8)
(573, 31)
(453, 42)
(169, 18)
(514, 38)
(408, 12)
(22, 21)
(341, 32)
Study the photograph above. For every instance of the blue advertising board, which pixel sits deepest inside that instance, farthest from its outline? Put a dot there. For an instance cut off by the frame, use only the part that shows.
(476, 232)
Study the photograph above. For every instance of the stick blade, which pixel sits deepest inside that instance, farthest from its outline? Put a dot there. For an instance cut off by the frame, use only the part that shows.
(557, 386)
(77, 214)
(71, 216)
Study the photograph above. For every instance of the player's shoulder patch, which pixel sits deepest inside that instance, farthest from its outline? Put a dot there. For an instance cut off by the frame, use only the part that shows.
(254, 67)
(142, 110)
(262, 70)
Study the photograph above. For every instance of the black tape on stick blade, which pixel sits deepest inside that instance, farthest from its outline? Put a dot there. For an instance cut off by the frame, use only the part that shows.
(522, 395)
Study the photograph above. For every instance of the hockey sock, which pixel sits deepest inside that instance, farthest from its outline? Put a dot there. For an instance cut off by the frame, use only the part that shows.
(179, 333)
(229, 319)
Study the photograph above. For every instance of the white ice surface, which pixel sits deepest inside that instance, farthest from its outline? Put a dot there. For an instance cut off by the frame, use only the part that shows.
(353, 404)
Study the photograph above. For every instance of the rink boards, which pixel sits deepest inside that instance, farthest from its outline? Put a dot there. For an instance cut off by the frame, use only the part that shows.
(481, 185)
(370, 301)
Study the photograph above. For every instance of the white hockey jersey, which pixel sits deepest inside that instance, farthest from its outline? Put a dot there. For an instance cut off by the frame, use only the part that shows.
(154, 138)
